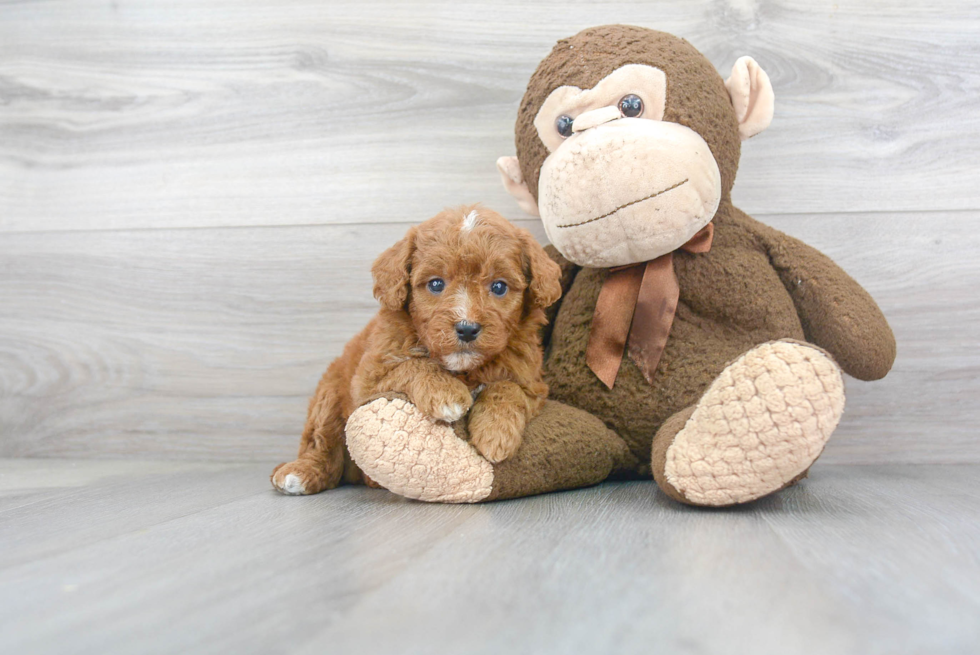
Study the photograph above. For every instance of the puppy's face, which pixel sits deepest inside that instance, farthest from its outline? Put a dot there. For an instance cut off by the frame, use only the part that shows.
(468, 278)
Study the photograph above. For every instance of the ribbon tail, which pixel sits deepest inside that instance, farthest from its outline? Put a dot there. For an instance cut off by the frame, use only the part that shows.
(611, 323)
(656, 305)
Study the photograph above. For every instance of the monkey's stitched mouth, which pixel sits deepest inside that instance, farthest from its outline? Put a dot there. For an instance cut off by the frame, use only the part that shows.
(629, 204)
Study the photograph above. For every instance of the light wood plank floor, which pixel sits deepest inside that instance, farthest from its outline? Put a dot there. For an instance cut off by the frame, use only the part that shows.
(168, 557)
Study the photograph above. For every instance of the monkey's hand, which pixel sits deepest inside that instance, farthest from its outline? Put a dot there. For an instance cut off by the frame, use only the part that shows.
(836, 312)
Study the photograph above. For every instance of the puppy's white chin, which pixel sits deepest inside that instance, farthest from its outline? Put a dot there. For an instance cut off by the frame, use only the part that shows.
(461, 361)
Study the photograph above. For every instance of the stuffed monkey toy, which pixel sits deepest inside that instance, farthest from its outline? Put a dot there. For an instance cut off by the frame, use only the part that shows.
(692, 344)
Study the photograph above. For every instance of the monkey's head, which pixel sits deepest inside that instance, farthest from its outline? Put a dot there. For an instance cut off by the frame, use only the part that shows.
(628, 140)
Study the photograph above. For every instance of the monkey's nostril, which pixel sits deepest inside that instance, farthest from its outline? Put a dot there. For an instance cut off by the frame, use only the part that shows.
(467, 332)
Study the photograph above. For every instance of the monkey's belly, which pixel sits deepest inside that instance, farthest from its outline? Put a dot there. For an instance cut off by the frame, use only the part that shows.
(697, 350)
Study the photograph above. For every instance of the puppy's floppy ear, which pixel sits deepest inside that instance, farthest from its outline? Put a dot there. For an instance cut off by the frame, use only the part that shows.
(391, 273)
(544, 282)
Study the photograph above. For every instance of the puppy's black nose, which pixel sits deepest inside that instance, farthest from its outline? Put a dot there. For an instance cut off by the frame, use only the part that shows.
(466, 331)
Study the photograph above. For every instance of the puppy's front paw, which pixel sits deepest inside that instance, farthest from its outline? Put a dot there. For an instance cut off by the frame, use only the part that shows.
(495, 431)
(446, 400)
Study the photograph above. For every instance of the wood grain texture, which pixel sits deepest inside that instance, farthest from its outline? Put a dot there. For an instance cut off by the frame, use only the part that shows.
(206, 344)
(856, 560)
(135, 113)
(191, 195)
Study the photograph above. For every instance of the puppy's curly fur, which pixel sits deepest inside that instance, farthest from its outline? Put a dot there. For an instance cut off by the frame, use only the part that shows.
(444, 336)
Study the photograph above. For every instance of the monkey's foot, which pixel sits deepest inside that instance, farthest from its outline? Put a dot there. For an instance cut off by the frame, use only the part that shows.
(414, 456)
(757, 429)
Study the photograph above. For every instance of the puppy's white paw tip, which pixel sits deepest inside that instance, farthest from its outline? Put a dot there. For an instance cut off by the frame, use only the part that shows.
(452, 412)
(293, 485)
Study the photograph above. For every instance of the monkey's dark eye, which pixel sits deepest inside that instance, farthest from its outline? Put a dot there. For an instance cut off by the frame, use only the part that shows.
(498, 288)
(631, 106)
(436, 285)
(564, 126)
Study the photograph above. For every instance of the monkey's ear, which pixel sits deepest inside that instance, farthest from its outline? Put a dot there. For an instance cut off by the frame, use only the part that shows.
(510, 175)
(752, 97)
(544, 284)
(391, 273)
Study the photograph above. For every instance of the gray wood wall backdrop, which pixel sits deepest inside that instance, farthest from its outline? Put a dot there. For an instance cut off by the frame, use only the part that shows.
(191, 194)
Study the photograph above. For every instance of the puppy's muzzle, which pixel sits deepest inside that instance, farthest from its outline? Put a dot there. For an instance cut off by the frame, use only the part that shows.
(467, 332)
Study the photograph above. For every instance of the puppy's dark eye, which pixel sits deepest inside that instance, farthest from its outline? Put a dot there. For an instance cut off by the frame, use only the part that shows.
(564, 126)
(436, 285)
(631, 106)
(498, 288)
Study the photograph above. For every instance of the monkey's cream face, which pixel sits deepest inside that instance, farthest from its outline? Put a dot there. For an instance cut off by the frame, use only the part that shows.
(621, 185)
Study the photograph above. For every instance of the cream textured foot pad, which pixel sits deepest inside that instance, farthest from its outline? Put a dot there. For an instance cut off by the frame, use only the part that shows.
(761, 423)
(415, 456)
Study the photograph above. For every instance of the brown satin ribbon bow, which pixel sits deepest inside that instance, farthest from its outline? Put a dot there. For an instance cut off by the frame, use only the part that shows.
(636, 306)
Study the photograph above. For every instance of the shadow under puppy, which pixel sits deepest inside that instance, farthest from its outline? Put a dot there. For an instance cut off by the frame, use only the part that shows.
(462, 304)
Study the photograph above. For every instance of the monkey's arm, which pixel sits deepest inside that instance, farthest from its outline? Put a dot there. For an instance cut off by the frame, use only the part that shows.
(837, 313)
(568, 271)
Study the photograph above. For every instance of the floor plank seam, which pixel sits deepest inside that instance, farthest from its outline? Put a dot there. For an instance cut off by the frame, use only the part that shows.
(762, 216)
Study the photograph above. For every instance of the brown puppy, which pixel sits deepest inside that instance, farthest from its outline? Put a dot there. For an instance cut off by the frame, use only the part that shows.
(462, 299)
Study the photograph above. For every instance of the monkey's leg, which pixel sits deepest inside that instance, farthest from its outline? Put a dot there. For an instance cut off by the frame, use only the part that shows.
(757, 429)
(414, 456)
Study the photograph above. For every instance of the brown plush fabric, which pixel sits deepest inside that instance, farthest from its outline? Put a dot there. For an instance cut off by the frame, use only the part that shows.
(732, 298)
(661, 442)
(563, 448)
(755, 285)
(696, 94)
(835, 311)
